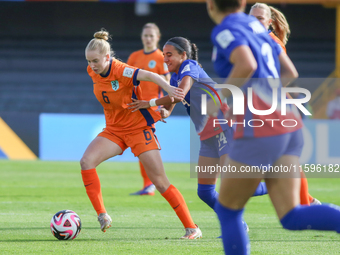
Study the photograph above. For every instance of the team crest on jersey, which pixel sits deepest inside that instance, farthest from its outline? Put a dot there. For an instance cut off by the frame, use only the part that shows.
(152, 64)
(224, 38)
(115, 85)
(186, 68)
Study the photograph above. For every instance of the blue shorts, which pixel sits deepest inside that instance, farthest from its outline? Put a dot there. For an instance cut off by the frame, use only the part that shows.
(264, 151)
(216, 146)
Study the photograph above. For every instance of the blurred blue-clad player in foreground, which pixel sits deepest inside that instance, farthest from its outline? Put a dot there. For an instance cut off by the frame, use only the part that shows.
(243, 50)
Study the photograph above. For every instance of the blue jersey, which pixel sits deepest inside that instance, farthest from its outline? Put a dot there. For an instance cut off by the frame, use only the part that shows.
(239, 29)
(203, 84)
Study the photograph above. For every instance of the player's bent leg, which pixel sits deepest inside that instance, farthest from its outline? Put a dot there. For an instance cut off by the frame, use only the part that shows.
(234, 194)
(284, 188)
(284, 193)
(318, 217)
(99, 150)
(207, 181)
(154, 168)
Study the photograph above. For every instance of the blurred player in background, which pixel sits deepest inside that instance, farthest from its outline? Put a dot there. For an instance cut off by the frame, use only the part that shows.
(333, 106)
(149, 58)
(114, 83)
(181, 56)
(244, 51)
(272, 17)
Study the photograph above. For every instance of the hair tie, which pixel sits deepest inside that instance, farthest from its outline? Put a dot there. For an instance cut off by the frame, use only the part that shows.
(175, 45)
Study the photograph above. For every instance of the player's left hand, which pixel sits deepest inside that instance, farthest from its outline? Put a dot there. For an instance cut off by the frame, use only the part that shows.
(175, 93)
(138, 104)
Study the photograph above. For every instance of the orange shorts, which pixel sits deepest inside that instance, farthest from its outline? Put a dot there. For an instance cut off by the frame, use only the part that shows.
(139, 141)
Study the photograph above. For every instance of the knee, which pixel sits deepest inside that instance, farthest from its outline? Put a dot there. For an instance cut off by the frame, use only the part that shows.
(160, 181)
(161, 184)
(161, 187)
(85, 163)
(205, 191)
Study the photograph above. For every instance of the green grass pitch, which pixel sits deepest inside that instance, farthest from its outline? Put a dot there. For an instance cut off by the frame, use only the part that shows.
(31, 192)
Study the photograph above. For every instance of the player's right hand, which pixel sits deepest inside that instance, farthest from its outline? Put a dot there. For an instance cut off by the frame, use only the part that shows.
(138, 104)
(164, 113)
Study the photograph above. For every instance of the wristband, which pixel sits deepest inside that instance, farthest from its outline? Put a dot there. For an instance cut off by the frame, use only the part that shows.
(152, 102)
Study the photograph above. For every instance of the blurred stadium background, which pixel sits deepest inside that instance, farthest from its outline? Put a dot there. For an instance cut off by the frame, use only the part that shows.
(46, 95)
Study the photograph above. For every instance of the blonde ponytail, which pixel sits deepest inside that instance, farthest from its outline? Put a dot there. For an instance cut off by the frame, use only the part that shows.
(280, 24)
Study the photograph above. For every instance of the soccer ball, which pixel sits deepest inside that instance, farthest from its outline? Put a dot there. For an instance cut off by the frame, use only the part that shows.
(65, 225)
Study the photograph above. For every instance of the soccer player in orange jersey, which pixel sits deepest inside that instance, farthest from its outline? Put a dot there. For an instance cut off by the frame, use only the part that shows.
(149, 58)
(270, 16)
(114, 84)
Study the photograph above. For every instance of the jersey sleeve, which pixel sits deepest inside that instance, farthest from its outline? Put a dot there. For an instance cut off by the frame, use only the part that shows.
(277, 48)
(126, 74)
(189, 69)
(173, 81)
(227, 40)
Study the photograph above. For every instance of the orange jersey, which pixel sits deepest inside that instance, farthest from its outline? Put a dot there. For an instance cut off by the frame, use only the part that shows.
(278, 41)
(114, 92)
(153, 62)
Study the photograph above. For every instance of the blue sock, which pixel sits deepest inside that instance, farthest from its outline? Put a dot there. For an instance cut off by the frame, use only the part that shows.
(208, 194)
(318, 217)
(261, 190)
(234, 237)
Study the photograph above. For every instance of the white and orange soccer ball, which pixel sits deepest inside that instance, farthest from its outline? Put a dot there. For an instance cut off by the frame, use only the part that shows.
(65, 225)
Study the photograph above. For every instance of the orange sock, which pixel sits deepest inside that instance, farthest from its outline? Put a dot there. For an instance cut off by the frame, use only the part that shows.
(310, 198)
(146, 179)
(304, 196)
(177, 202)
(93, 190)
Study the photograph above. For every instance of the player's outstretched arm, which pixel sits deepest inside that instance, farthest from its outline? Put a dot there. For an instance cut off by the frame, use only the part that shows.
(176, 93)
(185, 85)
